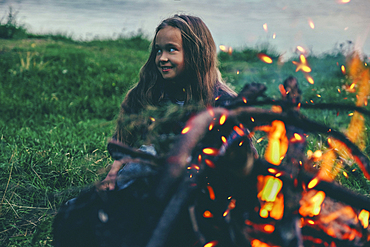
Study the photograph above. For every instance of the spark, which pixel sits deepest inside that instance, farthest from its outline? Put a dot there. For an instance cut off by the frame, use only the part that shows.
(185, 130)
(237, 72)
(311, 222)
(312, 25)
(222, 119)
(264, 58)
(207, 214)
(343, 69)
(313, 183)
(297, 137)
(345, 174)
(301, 49)
(211, 244)
(241, 143)
(211, 193)
(152, 119)
(272, 170)
(339, 90)
(226, 49)
(210, 151)
(274, 36)
(244, 100)
(210, 127)
(209, 163)
(265, 27)
(260, 139)
(318, 95)
(302, 65)
(217, 98)
(223, 139)
(238, 130)
(252, 119)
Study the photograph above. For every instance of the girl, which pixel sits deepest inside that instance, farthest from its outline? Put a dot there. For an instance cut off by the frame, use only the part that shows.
(181, 69)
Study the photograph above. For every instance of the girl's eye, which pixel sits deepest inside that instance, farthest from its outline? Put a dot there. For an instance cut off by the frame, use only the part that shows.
(172, 49)
(159, 51)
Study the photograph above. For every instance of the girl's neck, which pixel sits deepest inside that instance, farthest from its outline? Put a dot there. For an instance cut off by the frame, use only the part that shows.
(176, 91)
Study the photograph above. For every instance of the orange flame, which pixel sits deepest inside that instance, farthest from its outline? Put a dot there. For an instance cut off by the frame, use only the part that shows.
(278, 143)
(302, 65)
(311, 206)
(364, 218)
(272, 200)
(264, 58)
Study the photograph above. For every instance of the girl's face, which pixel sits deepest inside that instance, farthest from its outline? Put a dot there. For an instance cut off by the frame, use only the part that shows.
(169, 53)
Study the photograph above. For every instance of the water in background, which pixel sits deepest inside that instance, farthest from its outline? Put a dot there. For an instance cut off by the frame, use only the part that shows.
(235, 23)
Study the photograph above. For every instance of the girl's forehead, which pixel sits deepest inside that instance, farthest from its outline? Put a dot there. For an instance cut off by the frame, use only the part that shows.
(168, 34)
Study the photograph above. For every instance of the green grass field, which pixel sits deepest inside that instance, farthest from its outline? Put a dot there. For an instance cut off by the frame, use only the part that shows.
(59, 99)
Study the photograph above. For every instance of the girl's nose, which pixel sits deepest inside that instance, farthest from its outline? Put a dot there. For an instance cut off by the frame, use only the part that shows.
(163, 57)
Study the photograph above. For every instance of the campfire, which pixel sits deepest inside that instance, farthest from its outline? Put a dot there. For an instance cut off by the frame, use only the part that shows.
(289, 197)
(232, 196)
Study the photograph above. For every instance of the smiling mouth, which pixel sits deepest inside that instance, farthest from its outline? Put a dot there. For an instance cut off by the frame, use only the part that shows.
(166, 68)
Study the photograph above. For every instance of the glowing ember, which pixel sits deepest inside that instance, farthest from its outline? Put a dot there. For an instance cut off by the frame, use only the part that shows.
(185, 130)
(152, 119)
(211, 244)
(222, 119)
(345, 174)
(300, 48)
(223, 139)
(207, 214)
(244, 100)
(210, 127)
(264, 58)
(210, 151)
(258, 243)
(260, 139)
(311, 206)
(211, 193)
(265, 27)
(217, 98)
(302, 65)
(343, 69)
(313, 183)
(241, 143)
(209, 163)
(269, 228)
(272, 170)
(238, 130)
(297, 137)
(226, 49)
(252, 119)
(364, 218)
(310, 22)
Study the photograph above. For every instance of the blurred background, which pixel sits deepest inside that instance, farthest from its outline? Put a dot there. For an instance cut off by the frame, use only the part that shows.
(317, 25)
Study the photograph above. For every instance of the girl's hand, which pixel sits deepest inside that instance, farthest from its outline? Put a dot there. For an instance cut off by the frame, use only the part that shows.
(109, 182)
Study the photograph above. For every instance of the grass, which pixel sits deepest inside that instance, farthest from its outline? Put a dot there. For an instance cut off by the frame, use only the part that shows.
(59, 99)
